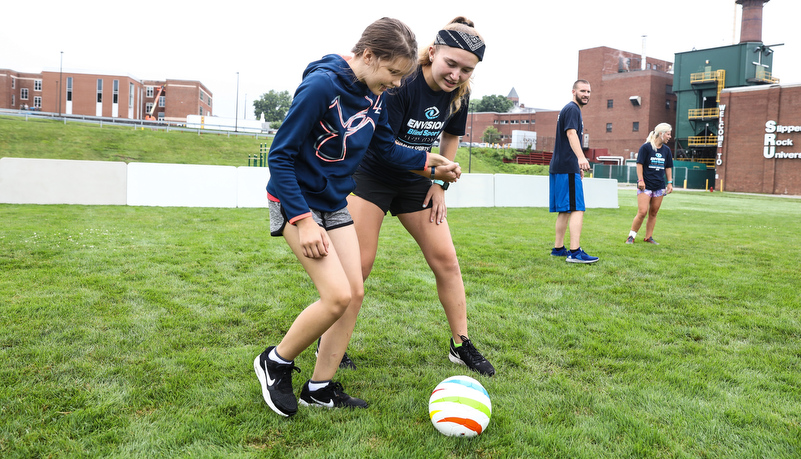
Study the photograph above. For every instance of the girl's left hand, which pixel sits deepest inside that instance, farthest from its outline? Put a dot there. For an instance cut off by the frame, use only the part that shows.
(436, 195)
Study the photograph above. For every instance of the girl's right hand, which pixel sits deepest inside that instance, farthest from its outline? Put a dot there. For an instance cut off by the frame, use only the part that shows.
(313, 239)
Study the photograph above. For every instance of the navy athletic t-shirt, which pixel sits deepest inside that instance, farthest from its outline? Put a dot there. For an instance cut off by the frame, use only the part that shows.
(654, 163)
(417, 116)
(564, 161)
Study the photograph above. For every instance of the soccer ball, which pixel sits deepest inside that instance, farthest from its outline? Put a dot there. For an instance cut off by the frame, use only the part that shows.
(460, 407)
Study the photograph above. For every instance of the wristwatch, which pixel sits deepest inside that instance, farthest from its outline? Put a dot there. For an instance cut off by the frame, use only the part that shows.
(441, 183)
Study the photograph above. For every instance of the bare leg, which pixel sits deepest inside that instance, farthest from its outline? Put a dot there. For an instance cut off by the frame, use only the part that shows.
(338, 281)
(656, 203)
(562, 220)
(437, 246)
(576, 223)
(643, 201)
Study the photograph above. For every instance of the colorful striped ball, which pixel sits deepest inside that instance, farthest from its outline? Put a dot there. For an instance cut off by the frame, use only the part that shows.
(460, 406)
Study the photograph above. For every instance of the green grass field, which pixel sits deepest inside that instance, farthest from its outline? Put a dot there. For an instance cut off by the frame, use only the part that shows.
(131, 331)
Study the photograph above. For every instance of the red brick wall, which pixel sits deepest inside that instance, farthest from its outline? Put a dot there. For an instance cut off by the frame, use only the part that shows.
(600, 66)
(743, 166)
(21, 81)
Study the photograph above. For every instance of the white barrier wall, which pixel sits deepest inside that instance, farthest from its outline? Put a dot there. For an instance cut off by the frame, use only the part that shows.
(251, 186)
(53, 181)
(471, 190)
(598, 193)
(181, 185)
(522, 190)
(40, 181)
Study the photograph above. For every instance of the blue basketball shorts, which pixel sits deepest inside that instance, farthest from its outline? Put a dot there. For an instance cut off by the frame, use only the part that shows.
(566, 193)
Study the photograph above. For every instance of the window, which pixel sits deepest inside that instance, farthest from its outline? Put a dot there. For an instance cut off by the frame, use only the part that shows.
(201, 108)
(13, 99)
(209, 101)
(37, 101)
(69, 89)
(635, 126)
(667, 104)
(13, 83)
(37, 85)
(149, 91)
(668, 89)
(23, 94)
(99, 90)
(115, 95)
(201, 97)
(162, 100)
(608, 127)
(130, 95)
(148, 107)
(610, 103)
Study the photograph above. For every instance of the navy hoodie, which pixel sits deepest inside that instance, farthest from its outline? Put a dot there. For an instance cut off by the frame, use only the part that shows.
(332, 121)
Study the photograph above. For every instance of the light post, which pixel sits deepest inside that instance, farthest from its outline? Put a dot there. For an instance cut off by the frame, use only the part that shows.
(236, 112)
(60, 81)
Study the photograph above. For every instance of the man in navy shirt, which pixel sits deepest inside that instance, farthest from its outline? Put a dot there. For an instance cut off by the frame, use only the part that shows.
(566, 173)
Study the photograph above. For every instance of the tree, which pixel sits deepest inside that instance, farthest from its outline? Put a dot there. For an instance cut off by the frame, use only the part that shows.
(495, 103)
(273, 104)
(491, 135)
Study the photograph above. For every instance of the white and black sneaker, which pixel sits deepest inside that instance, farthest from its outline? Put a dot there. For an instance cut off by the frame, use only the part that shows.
(331, 396)
(276, 383)
(346, 363)
(468, 355)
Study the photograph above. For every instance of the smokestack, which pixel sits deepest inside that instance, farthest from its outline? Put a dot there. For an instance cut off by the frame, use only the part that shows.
(751, 25)
(642, 63)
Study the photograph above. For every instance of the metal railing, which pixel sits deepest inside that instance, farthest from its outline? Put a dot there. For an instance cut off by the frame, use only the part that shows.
(702, 141)
(703, 113)
(704, 77)
(764, 76)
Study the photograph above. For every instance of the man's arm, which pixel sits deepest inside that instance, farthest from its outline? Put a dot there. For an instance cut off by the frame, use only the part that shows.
(575, 145)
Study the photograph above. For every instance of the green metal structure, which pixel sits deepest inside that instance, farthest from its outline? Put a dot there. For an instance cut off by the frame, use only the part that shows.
(699, 77)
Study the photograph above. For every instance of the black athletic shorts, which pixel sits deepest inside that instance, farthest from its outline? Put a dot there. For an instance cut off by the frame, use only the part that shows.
(397, 199)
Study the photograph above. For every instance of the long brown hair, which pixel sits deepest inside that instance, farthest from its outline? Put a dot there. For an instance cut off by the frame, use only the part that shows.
(460, 24)
(388, 39)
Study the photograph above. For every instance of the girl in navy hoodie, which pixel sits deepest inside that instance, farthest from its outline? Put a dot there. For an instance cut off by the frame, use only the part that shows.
(338, 111)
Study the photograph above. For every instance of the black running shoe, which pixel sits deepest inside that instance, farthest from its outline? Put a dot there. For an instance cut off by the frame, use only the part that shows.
(345, 364)
(276, 383)
(468, 355)
(330, 396)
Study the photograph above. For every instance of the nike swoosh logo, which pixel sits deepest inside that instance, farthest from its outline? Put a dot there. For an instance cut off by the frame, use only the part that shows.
(270, 381)
(330, 403)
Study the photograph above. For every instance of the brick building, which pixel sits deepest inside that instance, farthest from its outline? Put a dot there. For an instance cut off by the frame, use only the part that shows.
(759, 140)
(631, 94)
(20, 90)
(112, 96)
(628, 100)
(505, 123)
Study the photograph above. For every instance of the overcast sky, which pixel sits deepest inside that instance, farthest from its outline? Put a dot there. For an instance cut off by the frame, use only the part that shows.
(532, 46)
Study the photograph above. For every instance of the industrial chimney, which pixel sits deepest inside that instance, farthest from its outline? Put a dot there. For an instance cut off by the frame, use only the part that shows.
(751, 25)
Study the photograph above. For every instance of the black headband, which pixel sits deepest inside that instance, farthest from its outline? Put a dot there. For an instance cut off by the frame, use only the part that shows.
(456, 39)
